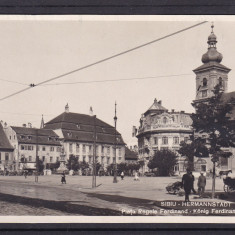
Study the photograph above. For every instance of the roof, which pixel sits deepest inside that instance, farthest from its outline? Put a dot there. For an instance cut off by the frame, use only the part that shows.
(80, 127)
(27, 135)
(4, 142)
(130, 155)
(211, 64)
(156, 106)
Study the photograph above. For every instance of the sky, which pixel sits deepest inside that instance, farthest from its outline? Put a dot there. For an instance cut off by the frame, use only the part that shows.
(33, 50)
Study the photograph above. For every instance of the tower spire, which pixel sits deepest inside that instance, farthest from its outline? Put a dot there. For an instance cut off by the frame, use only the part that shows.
(212, 27)
(42, 123)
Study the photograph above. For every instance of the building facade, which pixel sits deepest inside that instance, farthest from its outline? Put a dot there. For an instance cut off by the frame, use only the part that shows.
(7, 160)
(77, 131)
(160, 129)
(30, 142)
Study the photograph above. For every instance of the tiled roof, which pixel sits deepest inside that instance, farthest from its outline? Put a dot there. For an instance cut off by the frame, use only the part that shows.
(4, 142)
(211, 64)
(27, 135)
(130, 155)
(80, 127)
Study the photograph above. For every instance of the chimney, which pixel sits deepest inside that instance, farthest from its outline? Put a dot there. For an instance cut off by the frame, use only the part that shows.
(155, 100)
(29, 125)
(24, 125)
(172, 110)
(67, 108)
(5, 125)
(91, 111)
(160, 102)
(181, 111)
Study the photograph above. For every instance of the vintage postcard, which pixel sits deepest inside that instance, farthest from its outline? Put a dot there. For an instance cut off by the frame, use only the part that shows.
(111, 119)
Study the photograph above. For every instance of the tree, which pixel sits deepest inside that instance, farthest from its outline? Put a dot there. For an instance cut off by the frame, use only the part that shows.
(73, 163)
(164, 161)
(212, 118)
(194, 147)
(121, 167)
(53, 166)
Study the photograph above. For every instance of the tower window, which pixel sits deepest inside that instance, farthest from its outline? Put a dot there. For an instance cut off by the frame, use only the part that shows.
(204, 93)
(204, 82)
(220, 82)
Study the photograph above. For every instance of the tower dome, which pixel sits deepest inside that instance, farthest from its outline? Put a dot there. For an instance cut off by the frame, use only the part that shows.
(212, 54)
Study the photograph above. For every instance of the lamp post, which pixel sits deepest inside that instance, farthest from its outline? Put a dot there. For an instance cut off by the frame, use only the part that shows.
(115, 146)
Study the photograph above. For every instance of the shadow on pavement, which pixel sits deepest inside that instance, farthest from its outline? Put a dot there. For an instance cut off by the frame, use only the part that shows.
(64, 206)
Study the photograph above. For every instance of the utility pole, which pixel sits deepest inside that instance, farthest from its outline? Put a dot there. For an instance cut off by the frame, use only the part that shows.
(36, 173)
(115, 146)
(94, 156)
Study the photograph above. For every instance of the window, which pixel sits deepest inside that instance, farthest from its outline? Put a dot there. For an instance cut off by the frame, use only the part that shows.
(30, 147)
(186, 139)
(22, 137)
(175, 140)
(155, 140)
(164, 148)
(6, 156)
(108, 159)
(14, 137)
(90, 159)
(22, 147)
(204, 82)
(43, 148)
(164, 120)
(43, 158)
(84, 148)
(114, 152)
(77, 156)
(52, 149)
(120, 158)
(220, 82)
(84, 158)
(30, 158)
(102, 159)
(120, 152)
(204, 93)
(58, 149)
(164, 140)
(70, 148)
(114, 160)
(108, 150)
(10, 137)
(102, 149)
(57, 159)
(90, 149)
(29, 137)
(77, 148)
(51, 159)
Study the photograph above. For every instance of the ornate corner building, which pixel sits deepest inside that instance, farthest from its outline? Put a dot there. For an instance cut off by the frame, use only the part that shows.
(160, 129)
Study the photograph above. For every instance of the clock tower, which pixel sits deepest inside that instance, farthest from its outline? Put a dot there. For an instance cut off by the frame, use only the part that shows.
(211, 73)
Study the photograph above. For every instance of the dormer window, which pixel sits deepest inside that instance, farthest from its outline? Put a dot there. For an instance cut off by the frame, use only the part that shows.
(164, 120)
(22, 137)
(69, 134)
(29, 137)
(204, 82)
(78, 126)
(49, 138)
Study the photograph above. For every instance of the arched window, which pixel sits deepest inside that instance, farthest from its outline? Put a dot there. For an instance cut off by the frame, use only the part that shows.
(204, 82)
(220, 82)
(164, 120)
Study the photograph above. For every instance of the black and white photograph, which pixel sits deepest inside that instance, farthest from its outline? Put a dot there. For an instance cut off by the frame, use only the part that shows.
(117, 118)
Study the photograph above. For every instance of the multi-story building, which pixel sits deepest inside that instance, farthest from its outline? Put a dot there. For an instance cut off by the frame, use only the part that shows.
(30, 142)
(77, 133)
(160, 129)
(6, 152)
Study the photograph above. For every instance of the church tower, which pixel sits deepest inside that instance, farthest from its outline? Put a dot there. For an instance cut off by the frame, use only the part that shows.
(211, 73)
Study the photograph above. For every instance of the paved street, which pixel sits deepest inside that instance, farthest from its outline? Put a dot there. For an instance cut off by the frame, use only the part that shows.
(20, 196)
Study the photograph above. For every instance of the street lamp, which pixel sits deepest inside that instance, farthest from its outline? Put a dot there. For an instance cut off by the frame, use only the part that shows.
(115, 146)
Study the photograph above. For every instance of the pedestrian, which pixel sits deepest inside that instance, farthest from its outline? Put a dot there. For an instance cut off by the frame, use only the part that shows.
(63, 180)
(136, 176)
(25, 174)
(187, 184)
(122, 175)
(201, 184)
(193, 179)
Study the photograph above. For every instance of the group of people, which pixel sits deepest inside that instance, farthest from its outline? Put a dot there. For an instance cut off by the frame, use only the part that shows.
(136, 178)
(188, 184)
